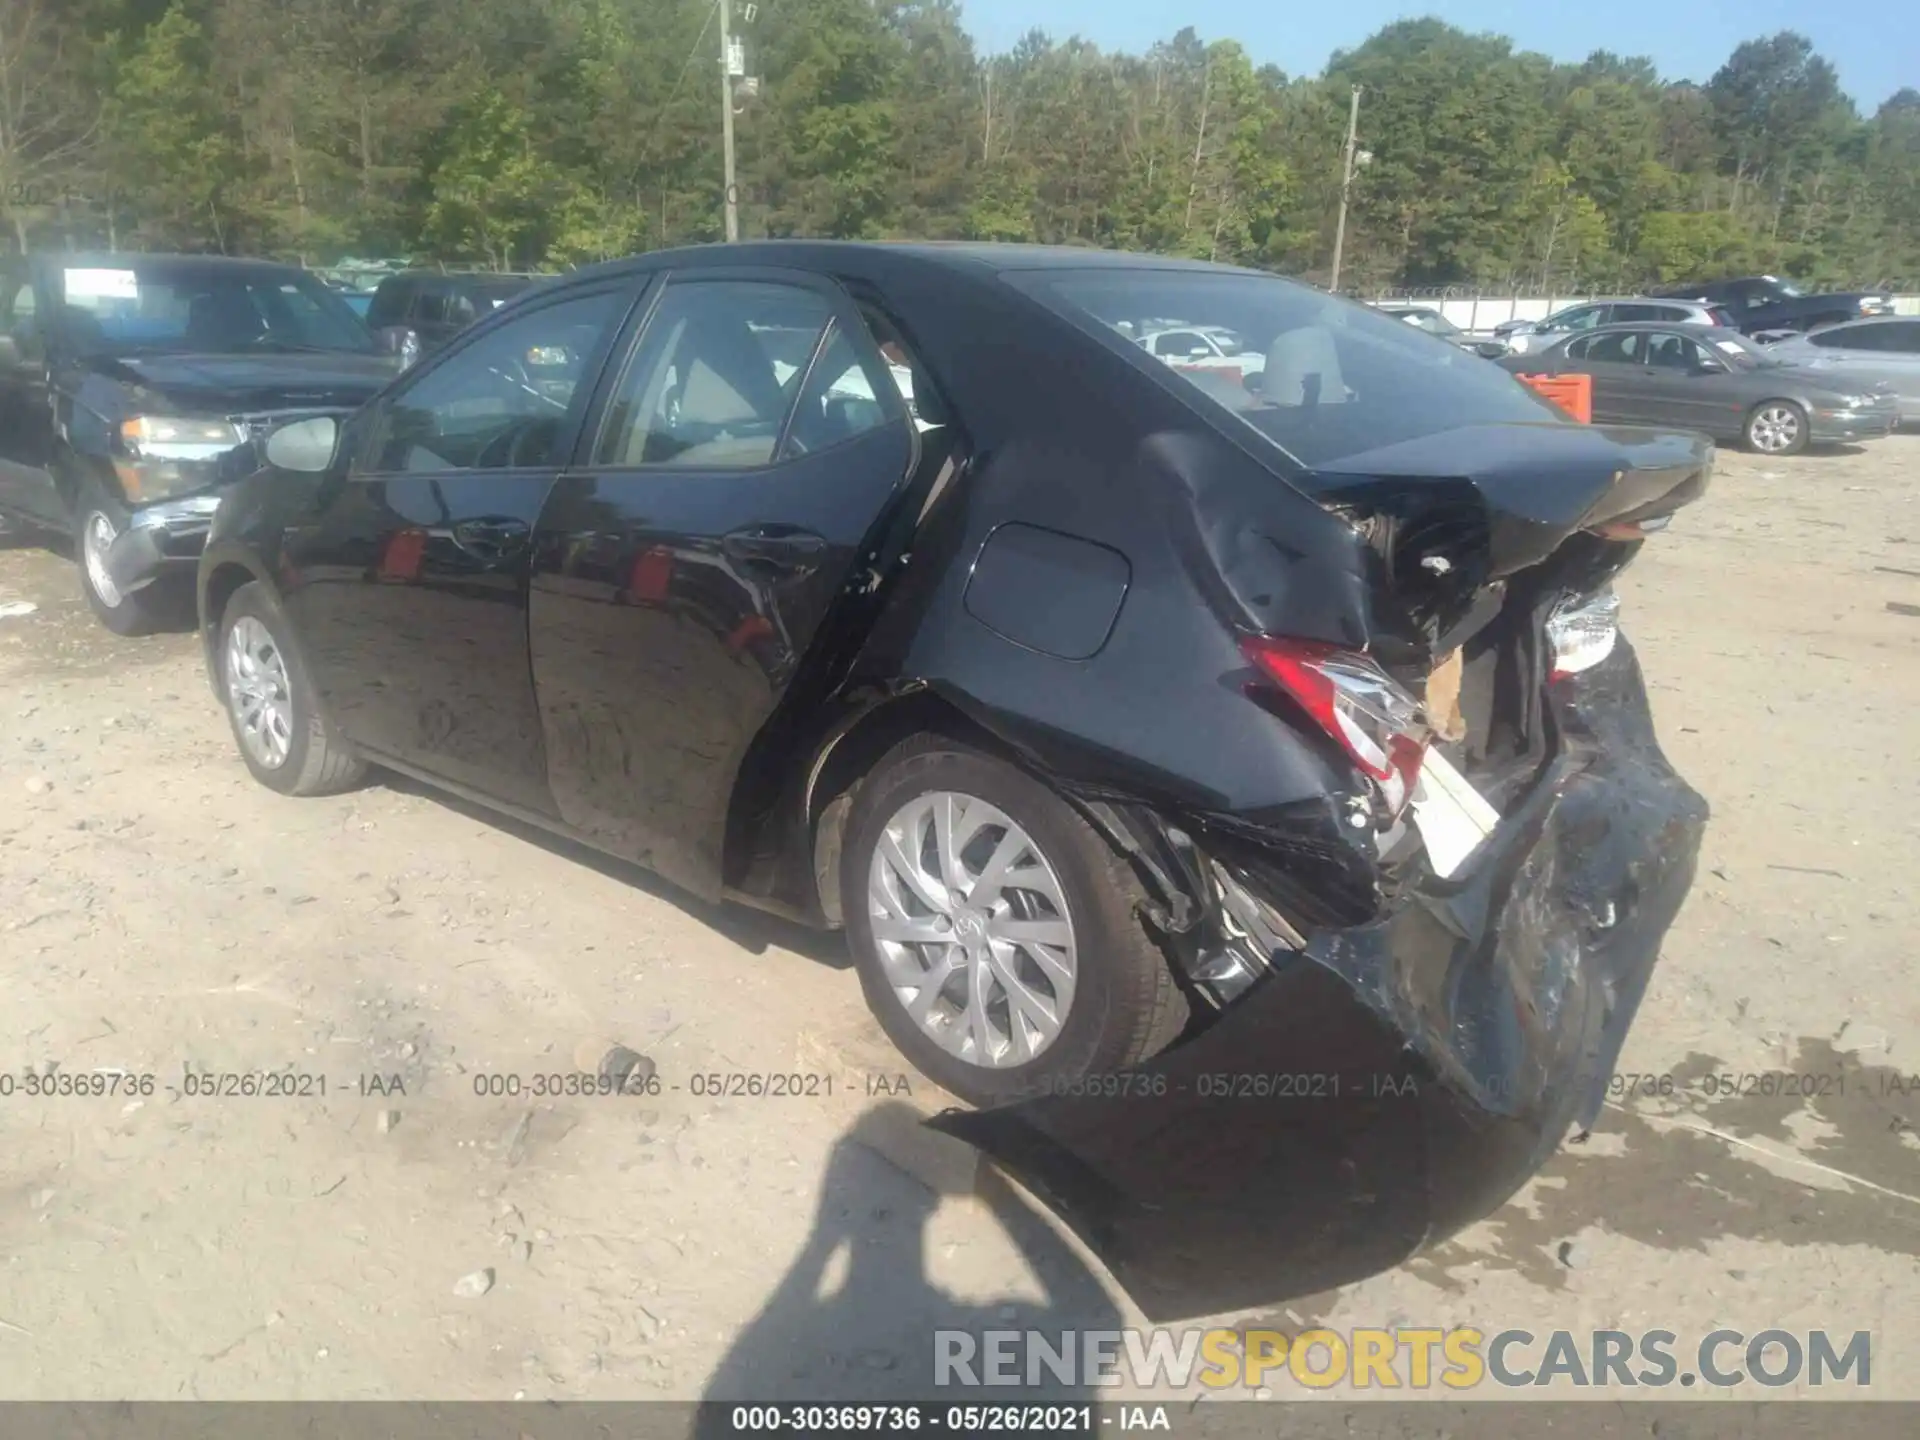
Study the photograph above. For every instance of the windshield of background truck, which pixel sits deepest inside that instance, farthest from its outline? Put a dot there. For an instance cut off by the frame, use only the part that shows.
(130, 306)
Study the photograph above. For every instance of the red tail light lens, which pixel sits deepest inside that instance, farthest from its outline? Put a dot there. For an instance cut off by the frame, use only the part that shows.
(1356, 703)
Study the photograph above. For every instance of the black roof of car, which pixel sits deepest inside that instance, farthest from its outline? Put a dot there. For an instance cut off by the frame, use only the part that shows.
(949, 254)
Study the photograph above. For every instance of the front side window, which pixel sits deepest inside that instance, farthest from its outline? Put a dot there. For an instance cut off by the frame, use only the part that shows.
(1674, 352)
(1625, 348)
(503, 401)
(714, 376)
(1584, 318)
(1335, 378)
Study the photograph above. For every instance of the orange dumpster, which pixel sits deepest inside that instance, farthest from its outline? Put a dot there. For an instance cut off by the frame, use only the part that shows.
(1572, 393)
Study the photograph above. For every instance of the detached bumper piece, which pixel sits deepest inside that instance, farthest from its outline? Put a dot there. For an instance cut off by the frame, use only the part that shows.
(160, 539)
(1399, 1079)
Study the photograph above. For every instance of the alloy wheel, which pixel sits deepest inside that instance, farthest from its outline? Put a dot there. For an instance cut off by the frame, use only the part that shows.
(96, 539)
(258, 692)
(1775, 429)
(973, 930)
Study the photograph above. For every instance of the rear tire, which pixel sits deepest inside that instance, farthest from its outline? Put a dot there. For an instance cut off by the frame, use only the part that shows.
(271, 705)
(1058, 944)
(99, 518)
(1776, 427)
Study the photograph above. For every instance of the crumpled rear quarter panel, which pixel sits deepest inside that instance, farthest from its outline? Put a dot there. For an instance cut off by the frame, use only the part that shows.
(1403, 1077)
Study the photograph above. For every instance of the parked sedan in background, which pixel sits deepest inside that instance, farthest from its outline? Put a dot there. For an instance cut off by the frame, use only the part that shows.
(1425, 318)
(1524, 336)
(1090, 705)
(1881, 351)
(1711, 379)
(1204, 347)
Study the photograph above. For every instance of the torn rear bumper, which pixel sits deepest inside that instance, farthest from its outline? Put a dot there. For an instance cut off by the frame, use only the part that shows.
(1399, 1079)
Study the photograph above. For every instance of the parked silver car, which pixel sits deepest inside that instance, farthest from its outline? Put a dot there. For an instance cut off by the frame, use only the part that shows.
(1531, 336)
(1884, 350)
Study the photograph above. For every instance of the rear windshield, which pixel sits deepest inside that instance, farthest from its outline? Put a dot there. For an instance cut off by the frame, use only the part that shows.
(136, 304)
(1332, 378)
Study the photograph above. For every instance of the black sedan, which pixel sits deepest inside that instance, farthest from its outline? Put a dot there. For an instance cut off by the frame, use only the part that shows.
(1707, 378)
(132, 389)
(1243, 792)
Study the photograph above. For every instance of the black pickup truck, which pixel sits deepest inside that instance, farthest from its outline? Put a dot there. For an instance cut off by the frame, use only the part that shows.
(135, 388)
(1766, 302)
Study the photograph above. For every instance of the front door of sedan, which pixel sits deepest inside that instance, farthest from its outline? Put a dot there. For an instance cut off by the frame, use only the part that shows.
(1689, 386)
(1613, 360)
(409, 586)
(684, 567)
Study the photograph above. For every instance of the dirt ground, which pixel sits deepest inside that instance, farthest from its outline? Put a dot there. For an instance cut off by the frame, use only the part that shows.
(160, 914)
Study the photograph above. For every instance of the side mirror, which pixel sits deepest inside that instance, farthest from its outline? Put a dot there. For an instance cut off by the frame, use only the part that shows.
(12, 357)
(1709, 367)
(306, 446)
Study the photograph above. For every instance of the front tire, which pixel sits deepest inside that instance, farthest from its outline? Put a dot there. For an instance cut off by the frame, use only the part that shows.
(99, 520)
(271, 706)
(1777, 427)
(997, 936)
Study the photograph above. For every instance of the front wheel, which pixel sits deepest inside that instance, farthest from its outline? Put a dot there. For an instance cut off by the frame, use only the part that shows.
(997, 936)
(285, 740)
(1777, 427)
(99, 520)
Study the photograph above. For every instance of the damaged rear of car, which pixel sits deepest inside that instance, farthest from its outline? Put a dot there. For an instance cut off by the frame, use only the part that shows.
(1332, 659)
(1234, 784)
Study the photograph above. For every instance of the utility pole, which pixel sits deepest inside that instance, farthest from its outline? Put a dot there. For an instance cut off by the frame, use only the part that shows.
(1346, 178)
(732, 197)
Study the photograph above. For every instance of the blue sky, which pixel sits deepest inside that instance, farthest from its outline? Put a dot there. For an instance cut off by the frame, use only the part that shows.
(1875, 44)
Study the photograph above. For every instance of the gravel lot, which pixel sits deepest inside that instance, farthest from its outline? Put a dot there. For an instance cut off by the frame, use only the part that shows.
(161, 913)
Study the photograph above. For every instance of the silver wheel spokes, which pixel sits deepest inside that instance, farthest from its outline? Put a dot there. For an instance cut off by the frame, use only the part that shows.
(96, 539)
(973, 930)
(258, 693)
(1775, 428)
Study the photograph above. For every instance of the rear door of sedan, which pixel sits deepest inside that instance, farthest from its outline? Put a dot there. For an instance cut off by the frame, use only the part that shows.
(728, 490)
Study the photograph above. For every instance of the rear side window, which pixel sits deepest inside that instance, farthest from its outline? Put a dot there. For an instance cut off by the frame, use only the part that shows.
(715, 375)
(1333, 378)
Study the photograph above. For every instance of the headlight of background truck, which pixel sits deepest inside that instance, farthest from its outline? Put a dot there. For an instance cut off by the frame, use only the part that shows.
(167, 455)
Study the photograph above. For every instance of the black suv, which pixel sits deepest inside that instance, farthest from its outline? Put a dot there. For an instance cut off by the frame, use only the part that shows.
(134, 388)
(417, 311)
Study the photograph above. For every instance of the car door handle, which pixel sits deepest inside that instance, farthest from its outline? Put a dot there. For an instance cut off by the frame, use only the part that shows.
(491, 538)
(783, 545)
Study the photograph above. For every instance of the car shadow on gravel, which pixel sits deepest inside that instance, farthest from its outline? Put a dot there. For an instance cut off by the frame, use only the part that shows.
(752, 930)
(855, 1317)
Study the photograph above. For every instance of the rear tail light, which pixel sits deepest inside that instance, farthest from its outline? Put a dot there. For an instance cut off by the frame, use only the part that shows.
(1582, 632)
(1357, 703)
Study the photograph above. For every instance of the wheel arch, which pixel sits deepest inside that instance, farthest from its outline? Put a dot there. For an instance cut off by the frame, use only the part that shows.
(221, 576)
(848, 755)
